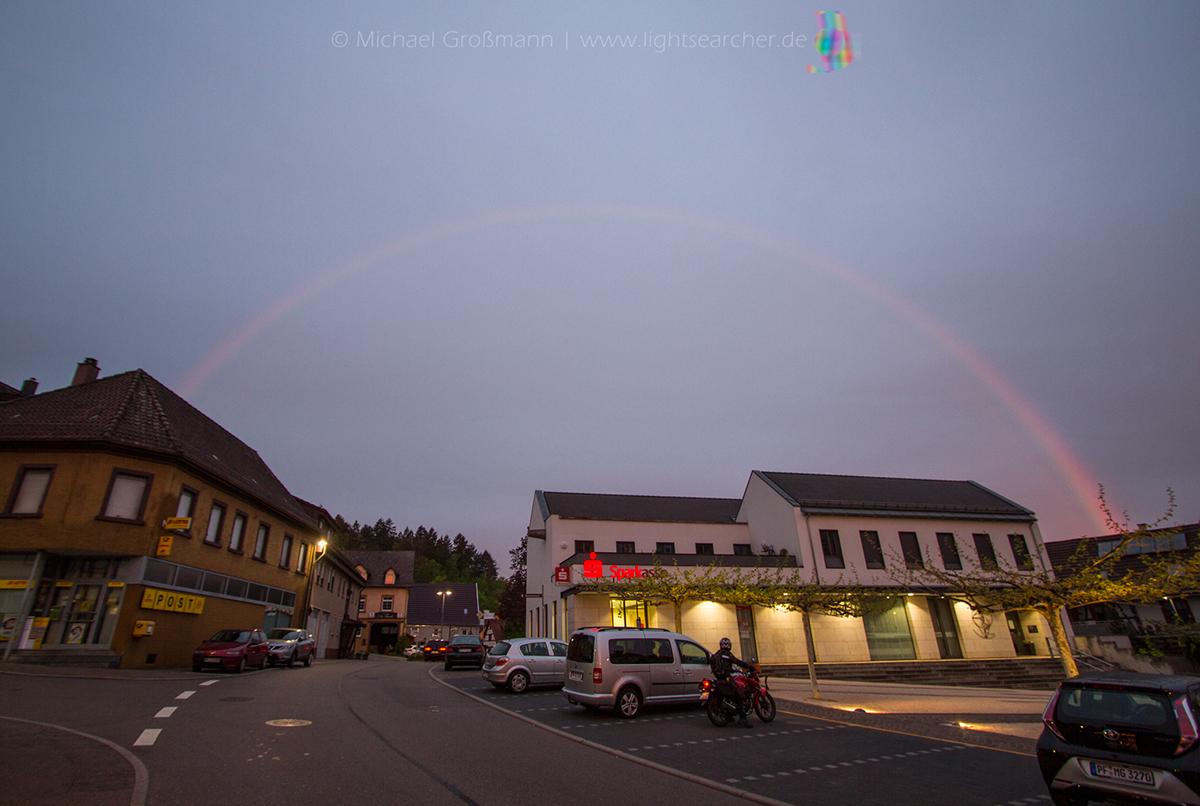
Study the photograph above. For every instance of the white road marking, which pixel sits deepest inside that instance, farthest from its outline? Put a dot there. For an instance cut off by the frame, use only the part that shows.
(149, 736)
(164, 713)
(185, 695)
(210, 682)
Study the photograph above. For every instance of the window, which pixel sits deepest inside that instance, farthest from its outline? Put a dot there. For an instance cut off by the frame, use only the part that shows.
(658, 650)
(741, 549)
(665, 548)
(285, 552)
(362, 604)
(535, 649)
(386, 604)
(986, 552)
(831, 546)
(949, 549)
(625, 547)
(911, 548)
(585, 546)
(216, 519)
(872, 550)
(126, 497)
(260, 542)
(238, 534)
(390, 577)
(29, 492)
(704, 548)
(302, 558)
(1020, 550)
(691, 654)
(186, 508)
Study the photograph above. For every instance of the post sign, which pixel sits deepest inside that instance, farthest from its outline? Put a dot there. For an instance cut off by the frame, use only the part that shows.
(562, 575)
(153, 599)
(164, 546)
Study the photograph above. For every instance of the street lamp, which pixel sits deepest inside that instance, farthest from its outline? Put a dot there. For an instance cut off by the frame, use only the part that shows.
(442, 626)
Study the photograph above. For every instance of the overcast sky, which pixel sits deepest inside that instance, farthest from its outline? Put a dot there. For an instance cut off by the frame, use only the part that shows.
(423, 282)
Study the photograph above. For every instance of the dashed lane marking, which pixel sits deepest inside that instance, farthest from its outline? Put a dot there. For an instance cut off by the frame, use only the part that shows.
(185, 695)
(149, 737)
(165, 713)
(837, 766)
(210, 682)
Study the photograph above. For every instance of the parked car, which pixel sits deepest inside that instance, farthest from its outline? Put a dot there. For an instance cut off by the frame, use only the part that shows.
(415, 649)
(232, 649)
(523, 662)
(434, 650)
(1122, 737)
(464, 650)
(287, 646)
(627, 668)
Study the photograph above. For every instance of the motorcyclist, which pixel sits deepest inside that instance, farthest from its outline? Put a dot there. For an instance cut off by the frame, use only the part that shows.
(722, 662)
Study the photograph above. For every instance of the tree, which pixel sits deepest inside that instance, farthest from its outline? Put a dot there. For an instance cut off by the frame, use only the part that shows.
(1089, 577)
(659, 586)
(512, 601)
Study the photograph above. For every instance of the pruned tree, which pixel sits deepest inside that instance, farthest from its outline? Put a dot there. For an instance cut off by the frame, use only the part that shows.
(1089, 577)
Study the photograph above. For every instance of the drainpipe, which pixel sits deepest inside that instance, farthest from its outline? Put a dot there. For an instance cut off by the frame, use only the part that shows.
(39, 563)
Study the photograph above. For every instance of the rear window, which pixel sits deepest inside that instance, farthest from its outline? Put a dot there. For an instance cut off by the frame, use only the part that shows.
(466, 639)
(1103, 707)
(582, 648)
(500, 649)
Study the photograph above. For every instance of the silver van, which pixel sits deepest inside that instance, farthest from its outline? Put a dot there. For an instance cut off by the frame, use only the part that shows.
(627, 668)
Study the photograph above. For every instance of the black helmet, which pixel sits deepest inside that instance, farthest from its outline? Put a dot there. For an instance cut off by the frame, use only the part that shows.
(726, 643)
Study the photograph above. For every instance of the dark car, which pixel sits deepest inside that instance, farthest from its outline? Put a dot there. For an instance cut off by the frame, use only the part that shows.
(465, 650)
(232, 649)
(1127, 738)
(434, 650)
(288, 646)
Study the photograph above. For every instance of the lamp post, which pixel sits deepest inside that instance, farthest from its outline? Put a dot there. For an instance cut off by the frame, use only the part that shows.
(312, 572)
(442, 626)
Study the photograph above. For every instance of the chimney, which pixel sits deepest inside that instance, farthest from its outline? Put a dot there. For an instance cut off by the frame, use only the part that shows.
(29, 388)
(86, 372)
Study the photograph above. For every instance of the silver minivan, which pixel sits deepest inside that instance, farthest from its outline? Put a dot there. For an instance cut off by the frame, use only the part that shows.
(627, 668)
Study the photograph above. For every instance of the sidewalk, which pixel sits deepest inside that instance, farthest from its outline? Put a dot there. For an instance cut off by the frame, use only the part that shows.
(1015, 713)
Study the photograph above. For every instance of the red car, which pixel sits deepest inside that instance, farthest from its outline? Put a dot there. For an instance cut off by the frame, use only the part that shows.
(232, 649)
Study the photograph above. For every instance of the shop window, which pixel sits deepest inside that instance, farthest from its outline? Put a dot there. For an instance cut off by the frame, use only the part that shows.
(831, 546)
(741, 549)
(260, 542)
(628, 613)
(910, 547)
(951, 561)
(704, 548)
(889, 636)
(237, 536)
(285, 552)
(625, 547)
(1020, 550)
(986, 552)
(216, 519)
(126, 496)
(872, 550)
(29, 491)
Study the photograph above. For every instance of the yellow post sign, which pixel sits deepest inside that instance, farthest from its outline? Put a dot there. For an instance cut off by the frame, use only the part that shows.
(176, 602)
(164, 545)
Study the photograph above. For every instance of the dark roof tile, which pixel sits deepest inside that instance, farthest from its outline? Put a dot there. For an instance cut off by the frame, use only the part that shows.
(653, 508)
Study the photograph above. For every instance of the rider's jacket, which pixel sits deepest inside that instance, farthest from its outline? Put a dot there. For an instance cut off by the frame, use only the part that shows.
(722, 662)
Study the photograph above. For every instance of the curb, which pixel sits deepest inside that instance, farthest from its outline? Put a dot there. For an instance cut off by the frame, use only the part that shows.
(141, 776)
(687, 776)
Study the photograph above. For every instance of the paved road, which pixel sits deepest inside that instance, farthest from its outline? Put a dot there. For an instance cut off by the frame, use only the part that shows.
(798, 758)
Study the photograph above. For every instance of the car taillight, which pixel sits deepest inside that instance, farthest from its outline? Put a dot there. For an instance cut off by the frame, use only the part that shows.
(1188, 733)
(1048, 716)
(597, 675)
(501, 661)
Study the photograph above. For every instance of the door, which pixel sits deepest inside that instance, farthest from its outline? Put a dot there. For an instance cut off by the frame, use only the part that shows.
(539, 661)
(945, 628)
(1022, 646)
(84, 617)
(745, 622)
(666, 675)
(323, 636)
(694, 662)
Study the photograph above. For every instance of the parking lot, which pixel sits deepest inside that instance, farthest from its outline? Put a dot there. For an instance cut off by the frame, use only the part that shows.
(798, 758)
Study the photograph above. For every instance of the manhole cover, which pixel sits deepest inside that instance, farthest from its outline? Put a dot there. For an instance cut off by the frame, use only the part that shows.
(288, 723)
(237, 699)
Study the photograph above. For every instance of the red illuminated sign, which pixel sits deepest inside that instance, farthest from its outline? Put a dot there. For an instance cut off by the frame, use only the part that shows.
(562, 575)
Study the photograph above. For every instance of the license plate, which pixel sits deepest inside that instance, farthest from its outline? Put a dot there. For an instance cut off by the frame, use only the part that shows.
(463, 649)
(1115, 772)
(212, 660)
(574, 675)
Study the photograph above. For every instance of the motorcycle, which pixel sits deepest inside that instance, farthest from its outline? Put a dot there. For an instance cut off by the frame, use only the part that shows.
(721, 711)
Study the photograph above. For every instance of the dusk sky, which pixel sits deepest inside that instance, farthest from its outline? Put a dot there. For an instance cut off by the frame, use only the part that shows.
(423, 282)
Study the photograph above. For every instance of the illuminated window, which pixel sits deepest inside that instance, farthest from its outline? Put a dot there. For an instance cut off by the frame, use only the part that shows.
(389, 578)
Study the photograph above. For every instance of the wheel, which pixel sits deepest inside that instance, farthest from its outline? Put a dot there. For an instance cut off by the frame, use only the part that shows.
(241, 667)
(308, 661)
(1062, 797)
(518, 682)
(764, 706)
(718, 714)
(629, 702)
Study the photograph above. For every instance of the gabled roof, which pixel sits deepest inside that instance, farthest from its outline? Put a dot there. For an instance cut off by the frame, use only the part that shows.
(461, 609)
(377, 564)
(133, 410)
(817, 493)
(653, 508)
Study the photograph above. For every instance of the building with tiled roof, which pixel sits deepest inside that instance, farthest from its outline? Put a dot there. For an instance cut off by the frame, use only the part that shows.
(832, 529)
(384, 602)
(90, 570)
(434, 615)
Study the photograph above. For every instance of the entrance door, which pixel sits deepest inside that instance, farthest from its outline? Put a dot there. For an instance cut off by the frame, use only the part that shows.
(84, 614)
(1022, 646)
(745, 620)
(945, 628)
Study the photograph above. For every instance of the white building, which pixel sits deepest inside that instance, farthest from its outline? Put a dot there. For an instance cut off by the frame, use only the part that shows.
(838, 529)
